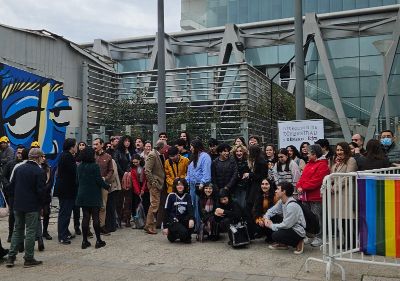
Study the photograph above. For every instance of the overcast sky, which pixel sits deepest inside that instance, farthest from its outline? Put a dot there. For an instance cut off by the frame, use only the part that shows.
(84, 20)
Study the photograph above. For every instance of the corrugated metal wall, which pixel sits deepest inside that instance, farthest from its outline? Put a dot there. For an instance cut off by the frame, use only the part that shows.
(45, 56)
(51, 56)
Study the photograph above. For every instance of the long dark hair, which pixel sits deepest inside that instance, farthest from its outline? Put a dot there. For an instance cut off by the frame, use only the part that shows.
(254, 152)
(275, 156)
(346, 149)
(271, 191)
(374, 150)
(296, 153)
(279, 164)
(87, 155)
(121, 146)
(198, 147)
(187, 137)
(303, 156)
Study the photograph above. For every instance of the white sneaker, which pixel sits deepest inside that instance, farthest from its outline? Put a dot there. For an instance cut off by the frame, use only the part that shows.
(317, 242)
(307, 241)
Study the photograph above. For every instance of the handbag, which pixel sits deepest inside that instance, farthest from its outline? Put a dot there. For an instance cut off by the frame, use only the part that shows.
(139, 219)
(240, 234)
(4, 210)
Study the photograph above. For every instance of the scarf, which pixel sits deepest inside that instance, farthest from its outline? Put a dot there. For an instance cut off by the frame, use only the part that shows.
(208, 207)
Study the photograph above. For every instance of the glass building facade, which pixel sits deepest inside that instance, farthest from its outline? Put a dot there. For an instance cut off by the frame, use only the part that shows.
(221, 12)
(356, 64)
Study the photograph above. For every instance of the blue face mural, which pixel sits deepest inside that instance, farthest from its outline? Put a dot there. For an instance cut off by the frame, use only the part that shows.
(33, 108)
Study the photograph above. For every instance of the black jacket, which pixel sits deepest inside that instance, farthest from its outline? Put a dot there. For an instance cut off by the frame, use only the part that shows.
(364, 163)
(29, 187)
(243, 167)
(224, 173)
(232, 211)
(259, 173)
(122, 161)
(7, 170)
(66, 186)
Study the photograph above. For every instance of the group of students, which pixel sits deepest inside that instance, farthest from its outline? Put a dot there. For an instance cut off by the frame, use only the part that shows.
(185, 188)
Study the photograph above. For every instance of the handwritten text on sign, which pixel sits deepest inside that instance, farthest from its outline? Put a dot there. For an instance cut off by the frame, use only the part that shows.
(296, 132)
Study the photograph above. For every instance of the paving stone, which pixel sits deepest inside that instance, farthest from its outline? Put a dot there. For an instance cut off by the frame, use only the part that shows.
(236, 275)
(197, 272)
(259, 278)
(379, 278)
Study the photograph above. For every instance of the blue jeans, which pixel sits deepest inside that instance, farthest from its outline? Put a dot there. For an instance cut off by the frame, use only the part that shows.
(195, 202)
(29, 220)
(64, 217)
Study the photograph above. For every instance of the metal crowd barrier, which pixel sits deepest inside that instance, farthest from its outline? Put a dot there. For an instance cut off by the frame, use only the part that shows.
(342, 239)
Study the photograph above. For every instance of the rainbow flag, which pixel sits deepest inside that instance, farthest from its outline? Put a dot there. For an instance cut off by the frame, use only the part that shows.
(379, 216)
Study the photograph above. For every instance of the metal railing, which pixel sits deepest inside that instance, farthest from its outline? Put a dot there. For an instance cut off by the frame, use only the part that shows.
(341, 220)
(238, 94)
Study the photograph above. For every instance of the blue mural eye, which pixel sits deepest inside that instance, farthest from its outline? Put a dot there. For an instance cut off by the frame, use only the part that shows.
(22, 123)
(61, 115)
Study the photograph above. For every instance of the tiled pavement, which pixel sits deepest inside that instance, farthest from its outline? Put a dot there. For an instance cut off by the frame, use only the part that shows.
(133, 255)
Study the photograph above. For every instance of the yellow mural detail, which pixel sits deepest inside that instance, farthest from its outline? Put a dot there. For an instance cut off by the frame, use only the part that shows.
(18, 87)
(43, 112)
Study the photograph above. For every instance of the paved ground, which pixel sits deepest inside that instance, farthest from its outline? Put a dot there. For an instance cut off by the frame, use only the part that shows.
(132, 255)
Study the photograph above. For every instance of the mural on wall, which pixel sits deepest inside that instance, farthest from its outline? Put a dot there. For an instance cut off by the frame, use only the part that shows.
(33, 108)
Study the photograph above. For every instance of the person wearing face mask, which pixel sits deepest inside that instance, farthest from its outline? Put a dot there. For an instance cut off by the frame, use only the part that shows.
(179, 216)
(391, 149)
(224, 169)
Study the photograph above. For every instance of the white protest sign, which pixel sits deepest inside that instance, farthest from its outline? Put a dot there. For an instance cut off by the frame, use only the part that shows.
(298, 131)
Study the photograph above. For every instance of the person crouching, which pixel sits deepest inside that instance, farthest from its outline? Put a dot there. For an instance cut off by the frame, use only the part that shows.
(291, 231)
(179, 220)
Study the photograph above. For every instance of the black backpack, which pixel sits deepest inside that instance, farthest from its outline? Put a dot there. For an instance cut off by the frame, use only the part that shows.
(312, 222)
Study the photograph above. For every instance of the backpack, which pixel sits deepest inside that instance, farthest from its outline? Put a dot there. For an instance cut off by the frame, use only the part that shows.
(312, 222)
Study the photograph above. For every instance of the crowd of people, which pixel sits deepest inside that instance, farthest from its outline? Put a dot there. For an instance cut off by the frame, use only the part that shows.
(181, 187)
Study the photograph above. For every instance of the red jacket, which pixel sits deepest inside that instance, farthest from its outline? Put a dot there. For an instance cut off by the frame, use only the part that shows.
(311, 180)
(136, 185)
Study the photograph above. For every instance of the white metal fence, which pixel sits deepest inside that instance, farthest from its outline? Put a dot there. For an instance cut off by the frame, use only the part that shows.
(340, 207)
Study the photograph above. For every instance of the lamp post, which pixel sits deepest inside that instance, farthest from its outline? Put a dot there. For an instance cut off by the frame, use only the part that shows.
(299, 54)
(383, 46)
(161, 116)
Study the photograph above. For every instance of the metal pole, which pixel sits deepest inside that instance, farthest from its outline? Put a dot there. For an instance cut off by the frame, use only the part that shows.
(385, 90)
(161, 69)
(299, 53)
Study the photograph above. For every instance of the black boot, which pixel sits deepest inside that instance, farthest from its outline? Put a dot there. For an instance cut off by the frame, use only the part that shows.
(47, 236)
(32, 262)
(3, 252)
(40, 244)
(78, 230)
(100, 244)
